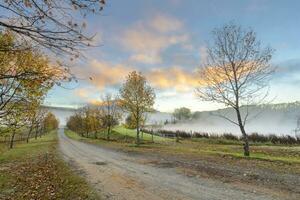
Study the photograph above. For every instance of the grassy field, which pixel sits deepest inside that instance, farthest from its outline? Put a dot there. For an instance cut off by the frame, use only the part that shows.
(277, 157)
(36, 171)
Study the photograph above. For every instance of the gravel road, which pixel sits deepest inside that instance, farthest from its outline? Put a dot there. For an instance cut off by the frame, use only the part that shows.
(117, 175)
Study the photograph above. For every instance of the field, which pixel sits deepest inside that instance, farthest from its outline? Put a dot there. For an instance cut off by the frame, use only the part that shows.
(36, 171)
(125, 138)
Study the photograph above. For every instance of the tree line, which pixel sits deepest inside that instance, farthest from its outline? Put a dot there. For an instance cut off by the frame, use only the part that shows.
(30, 31)
(136, 98)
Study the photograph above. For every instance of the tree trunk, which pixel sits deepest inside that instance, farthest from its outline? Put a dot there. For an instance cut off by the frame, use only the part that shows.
(244, 134)
(137, 133)
(12, 139)
(177, 136)
(41, 132)
(142, 136)
(152, 136)
(108, 133)
(36, 132)
(29, 133)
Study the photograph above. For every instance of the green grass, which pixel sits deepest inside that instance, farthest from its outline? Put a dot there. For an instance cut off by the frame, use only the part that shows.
(122, 134)
(132, 133)
(36, 171)
(23, 150)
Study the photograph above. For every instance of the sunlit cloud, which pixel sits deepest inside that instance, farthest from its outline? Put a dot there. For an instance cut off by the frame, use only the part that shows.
(95, 102)
(104, 74)
(82, 92)
(173, 78)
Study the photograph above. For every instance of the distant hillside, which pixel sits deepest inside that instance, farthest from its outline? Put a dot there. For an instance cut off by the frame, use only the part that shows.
(265, 119)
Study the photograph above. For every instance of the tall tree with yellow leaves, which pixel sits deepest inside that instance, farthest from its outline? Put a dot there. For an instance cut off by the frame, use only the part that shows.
(137, 97)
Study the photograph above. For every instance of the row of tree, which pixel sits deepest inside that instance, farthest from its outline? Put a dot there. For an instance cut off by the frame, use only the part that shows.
(135, 99)
(93, 119)
(25, 78)
(28, 30)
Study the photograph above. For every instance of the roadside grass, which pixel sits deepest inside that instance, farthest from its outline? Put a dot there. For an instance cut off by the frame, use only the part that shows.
(268, 156)
(123, 135)
(36, 171)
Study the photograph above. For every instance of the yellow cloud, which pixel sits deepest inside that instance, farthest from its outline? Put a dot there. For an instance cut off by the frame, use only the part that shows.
(174, 77)
(103, 73)
(106, 74)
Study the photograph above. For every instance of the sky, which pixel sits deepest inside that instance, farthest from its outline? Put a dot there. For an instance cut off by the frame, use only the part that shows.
(166, 41)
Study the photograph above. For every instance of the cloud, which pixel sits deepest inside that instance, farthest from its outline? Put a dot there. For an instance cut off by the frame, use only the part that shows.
(145, 58)
(165, 24)
(147, 39)
(173, 78)
(95, 102)
(82, 92)
(105, 74)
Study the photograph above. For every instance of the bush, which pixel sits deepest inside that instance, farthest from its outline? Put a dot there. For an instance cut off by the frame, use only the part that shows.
(253, 137)
(230, 136)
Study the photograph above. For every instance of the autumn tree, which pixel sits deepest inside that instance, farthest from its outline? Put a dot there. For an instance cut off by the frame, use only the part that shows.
(182, 113)
(36, 117)
(13, 122)
(96, 122)
(86, 120)
(41, 123)
(87, 114)
(23, 74)
(109, 113)
(50, 122)
(136, 97)
(131, 123)
(55, 25)
(75, 123)
(236, 72)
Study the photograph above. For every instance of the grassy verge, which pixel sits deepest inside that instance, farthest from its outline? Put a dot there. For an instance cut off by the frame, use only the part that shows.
(36, 171)
(279, 158)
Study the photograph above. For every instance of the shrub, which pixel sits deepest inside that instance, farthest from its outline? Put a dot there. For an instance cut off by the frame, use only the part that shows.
(253, 137)
(230, 136)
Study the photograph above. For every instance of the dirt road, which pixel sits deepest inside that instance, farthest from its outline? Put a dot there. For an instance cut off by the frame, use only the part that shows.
(117, 175)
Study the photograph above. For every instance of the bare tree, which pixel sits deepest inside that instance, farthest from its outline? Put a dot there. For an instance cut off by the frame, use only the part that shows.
(136, 97)
(236, 72)
(52, 24)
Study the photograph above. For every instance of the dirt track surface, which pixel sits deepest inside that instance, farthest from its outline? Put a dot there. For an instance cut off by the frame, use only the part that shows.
(121, 176)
